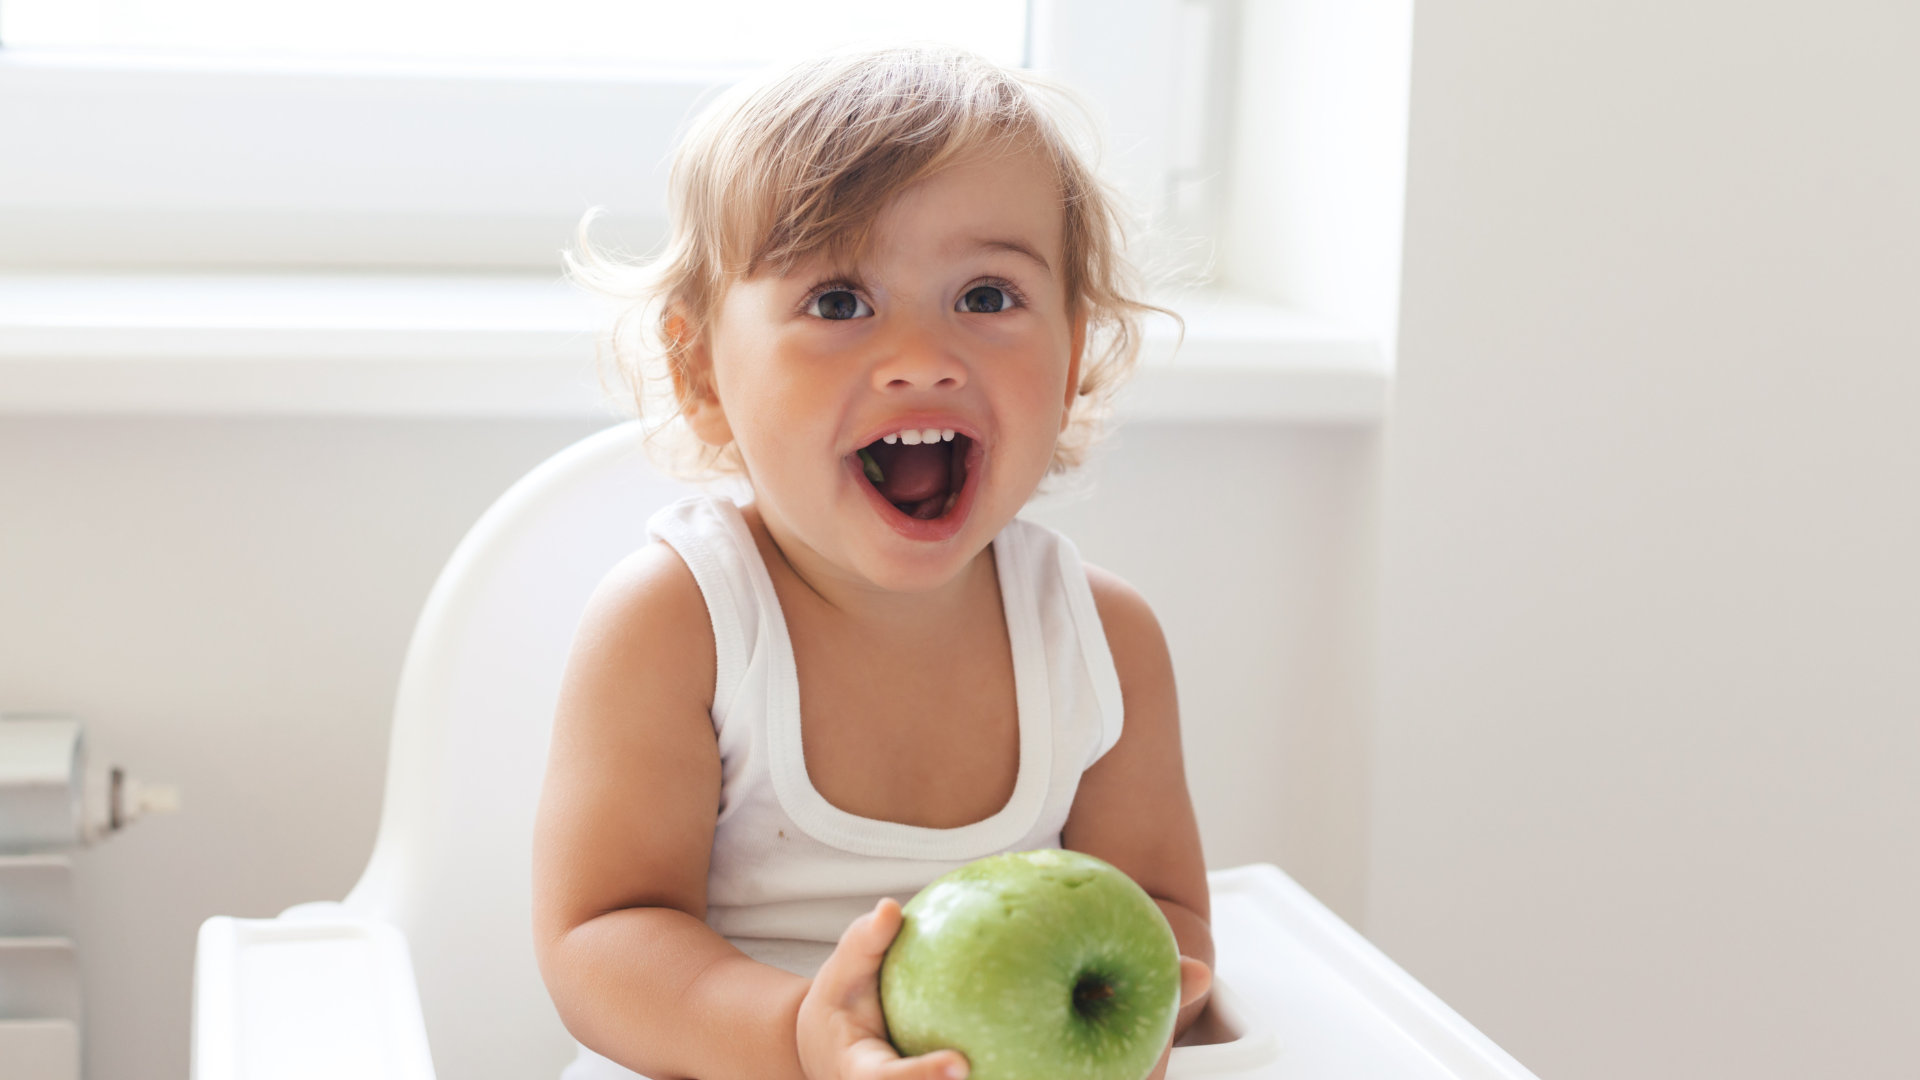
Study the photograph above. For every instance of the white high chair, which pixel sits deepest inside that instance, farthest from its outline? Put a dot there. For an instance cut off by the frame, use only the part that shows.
(433, 947)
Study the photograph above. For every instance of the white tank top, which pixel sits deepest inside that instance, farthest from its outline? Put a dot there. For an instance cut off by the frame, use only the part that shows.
(790, 870)
(790, 866)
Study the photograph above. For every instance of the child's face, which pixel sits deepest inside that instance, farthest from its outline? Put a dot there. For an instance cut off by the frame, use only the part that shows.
(955, 321)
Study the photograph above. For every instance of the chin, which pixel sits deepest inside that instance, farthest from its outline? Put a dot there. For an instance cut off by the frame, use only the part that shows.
(898, 564)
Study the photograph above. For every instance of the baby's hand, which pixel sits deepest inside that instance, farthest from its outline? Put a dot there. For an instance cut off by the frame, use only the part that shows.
(841, 1032)
(1196, 982)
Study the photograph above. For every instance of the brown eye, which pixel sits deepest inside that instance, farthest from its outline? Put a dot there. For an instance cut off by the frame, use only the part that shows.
(984, 300)
(839, 304)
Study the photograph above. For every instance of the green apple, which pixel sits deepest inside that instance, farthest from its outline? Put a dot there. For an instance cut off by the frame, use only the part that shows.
(1038, 965)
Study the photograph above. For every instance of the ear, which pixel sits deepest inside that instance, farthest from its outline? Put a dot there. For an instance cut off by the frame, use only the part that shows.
(1077, 349)
(693, 383)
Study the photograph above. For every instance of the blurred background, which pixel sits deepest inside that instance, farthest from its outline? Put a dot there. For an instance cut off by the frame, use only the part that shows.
(1532, 507)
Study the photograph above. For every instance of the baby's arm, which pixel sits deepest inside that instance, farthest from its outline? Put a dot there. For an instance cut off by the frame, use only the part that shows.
(621, 849)
(623, 839)
(1132, 808)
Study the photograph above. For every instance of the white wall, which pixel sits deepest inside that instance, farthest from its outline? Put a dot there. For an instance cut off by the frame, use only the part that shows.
(1647, 797)
(1318, 157)
(226, 603)
(1254, 544)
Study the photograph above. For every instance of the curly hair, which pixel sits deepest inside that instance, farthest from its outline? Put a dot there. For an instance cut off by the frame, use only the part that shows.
(800, 164)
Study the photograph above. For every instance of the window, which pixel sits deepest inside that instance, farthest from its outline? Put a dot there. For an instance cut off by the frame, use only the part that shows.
(379, 133)
(339, 141)
(475, 133)
(732, 33)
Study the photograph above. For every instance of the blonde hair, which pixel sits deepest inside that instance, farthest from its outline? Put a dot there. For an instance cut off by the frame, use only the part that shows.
(801, 164)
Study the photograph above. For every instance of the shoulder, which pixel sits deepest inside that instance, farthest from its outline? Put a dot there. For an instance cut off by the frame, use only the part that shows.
(1116, 598)
(652, 584)
(1139, 649)
(1121, 608)
(648, 615)
(1133, 632)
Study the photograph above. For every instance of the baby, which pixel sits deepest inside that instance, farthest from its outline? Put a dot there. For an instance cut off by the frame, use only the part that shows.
(894, 301)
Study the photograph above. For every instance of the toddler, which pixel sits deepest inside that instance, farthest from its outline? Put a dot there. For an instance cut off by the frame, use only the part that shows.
(893, 302)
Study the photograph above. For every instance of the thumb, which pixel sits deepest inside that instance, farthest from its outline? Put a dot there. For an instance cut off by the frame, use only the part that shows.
(1196, 979)
(856, 960)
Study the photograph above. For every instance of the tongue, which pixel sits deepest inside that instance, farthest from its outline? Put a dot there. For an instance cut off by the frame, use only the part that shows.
(914, 473)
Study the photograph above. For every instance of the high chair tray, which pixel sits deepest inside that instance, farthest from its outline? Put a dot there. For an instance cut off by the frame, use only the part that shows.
(1305, 997)
(1300, 996)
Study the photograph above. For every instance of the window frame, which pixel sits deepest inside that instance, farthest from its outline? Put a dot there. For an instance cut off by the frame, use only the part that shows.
(122, 159)
(323, 224)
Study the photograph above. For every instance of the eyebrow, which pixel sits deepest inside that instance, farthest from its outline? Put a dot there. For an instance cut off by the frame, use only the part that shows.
(1014, 246)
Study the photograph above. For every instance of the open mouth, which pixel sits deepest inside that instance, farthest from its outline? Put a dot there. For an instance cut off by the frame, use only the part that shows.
(921, 473)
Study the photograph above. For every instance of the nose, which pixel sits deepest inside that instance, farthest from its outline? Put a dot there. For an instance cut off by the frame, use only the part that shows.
(918, 356)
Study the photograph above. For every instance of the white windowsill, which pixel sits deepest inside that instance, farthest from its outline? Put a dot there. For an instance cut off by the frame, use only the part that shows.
(502, 345)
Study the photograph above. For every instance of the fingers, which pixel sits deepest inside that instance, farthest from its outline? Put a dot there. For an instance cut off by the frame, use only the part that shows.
(939, 1065)
(841, 1013)
(871, 933)
(875, 1059)
(1196, 979)
(855, 964)
(882, 925)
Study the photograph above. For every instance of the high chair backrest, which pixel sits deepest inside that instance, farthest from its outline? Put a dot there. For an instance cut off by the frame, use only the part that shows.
(451, 863)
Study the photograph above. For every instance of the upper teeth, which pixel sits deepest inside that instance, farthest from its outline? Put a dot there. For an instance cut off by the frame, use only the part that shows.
(913, 437)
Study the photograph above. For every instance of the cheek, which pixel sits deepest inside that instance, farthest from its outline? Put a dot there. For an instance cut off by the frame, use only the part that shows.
(745, 393)
(750, 380)
(1042, 377)
(778, 414)
(746, 354)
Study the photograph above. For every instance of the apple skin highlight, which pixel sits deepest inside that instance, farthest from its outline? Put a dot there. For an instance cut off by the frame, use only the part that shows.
(1037, 965)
